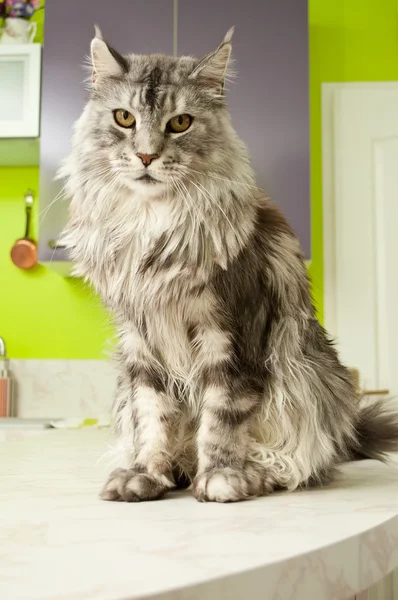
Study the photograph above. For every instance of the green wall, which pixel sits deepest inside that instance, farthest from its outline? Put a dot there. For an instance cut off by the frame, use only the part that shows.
(43, 315)
(350, 40)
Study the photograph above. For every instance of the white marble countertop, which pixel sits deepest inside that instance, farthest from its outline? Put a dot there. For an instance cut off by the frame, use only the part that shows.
(59, 542)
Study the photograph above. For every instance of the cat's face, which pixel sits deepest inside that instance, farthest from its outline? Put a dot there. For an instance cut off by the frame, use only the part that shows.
(154, 121)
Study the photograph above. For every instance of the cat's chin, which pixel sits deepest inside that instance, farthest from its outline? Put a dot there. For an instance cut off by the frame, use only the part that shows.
(148, 186)
(148, 179)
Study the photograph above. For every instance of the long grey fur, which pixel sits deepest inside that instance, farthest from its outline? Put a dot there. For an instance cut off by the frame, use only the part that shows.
(226, 378)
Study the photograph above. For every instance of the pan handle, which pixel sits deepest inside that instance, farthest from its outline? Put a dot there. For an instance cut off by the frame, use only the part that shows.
(28, 212)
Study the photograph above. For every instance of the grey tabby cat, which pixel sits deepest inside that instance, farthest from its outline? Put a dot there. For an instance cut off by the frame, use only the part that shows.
(227, 380)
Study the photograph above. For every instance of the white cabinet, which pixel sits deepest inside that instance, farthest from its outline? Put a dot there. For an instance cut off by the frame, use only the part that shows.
(20, 68)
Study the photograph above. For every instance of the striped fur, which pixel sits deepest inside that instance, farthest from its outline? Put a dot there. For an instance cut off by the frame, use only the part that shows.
(226, 377)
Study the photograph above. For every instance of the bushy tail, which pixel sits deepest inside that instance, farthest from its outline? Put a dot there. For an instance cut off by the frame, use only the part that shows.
(377, 431)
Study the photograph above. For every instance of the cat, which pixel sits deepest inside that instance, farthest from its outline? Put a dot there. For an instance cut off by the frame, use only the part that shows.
(226, 378)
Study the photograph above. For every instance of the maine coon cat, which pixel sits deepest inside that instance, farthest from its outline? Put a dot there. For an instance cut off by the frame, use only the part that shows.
(226, 377)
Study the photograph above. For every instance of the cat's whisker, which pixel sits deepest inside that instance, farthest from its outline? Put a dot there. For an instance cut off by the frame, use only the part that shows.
(219, 177)
(63, 195)
(111, 181)
(193, 217)
(190, 202)
(200, 218)
(39, 219)
(207, 194)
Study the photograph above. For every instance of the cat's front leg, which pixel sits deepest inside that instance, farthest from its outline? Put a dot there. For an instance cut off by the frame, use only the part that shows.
(146, 419)
(223, 441)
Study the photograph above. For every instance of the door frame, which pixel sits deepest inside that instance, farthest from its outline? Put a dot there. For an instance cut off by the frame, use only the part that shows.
(329, 184)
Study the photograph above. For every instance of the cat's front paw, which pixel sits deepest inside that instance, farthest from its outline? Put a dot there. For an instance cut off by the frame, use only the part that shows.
(129, 485)
(222, 485)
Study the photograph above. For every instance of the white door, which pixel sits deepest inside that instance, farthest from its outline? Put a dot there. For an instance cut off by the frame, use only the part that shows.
(360, 181)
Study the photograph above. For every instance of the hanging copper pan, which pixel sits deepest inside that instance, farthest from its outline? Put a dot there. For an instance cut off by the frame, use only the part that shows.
(24, 251)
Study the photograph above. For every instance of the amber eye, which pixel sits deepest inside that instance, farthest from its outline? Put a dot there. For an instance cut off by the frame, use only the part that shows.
(179, 123)
(123, 118)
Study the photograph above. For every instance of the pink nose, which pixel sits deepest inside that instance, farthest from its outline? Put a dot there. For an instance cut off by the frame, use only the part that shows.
(147, 158)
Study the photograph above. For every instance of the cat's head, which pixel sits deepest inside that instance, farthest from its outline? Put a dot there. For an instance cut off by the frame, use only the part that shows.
(154, 119)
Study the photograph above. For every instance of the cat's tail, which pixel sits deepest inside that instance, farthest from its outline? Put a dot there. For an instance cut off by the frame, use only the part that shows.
(376, 431)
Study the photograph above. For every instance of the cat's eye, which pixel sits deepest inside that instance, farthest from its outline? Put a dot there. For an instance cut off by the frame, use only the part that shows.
(179, 123)
(124, 118)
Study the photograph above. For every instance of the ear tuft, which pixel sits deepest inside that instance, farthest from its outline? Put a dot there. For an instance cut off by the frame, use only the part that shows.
(98, 33)
(228, 36)
(106, 62)
(212, 68)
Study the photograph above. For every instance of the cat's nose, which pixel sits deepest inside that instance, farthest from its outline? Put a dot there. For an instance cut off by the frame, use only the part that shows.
(147, 158)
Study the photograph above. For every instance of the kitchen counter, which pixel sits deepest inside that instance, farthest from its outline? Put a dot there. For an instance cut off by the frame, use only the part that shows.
(59, 542)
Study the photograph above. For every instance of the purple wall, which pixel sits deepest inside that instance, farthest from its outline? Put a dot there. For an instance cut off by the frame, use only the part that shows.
(130, 26)
(268, 100)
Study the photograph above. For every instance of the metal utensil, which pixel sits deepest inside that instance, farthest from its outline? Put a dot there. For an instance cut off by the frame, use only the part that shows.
(6, 408)
(24, 251)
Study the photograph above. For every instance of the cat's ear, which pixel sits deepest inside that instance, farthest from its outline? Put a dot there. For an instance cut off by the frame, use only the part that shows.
(213, 68)
(104, 59)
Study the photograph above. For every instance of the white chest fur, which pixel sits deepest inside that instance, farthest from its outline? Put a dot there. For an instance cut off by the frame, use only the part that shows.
(181, 336)
(167, 298)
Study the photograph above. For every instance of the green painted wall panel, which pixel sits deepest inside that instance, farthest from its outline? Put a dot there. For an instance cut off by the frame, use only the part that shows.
(350, 40)
(42, 315)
